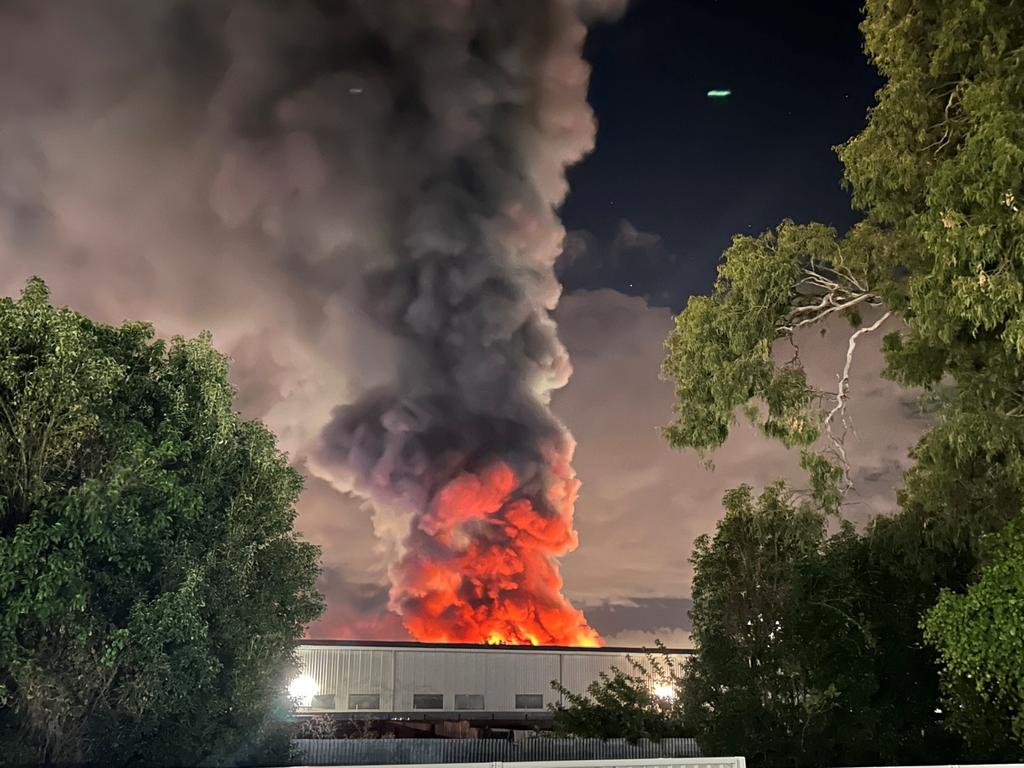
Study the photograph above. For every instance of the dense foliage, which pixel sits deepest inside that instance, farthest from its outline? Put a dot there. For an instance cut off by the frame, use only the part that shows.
(980, 636)
(768, 609)
(939, 174)
(151, 587)
(789, 628)
(642, 702)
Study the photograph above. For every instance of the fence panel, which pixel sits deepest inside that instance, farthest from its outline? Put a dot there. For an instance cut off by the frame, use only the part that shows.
(368, 752)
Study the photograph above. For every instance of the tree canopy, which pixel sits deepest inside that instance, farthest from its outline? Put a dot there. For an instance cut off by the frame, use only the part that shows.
(758, 591)
(980, 638)
(798, 661)
(938, 172)
(151, 586)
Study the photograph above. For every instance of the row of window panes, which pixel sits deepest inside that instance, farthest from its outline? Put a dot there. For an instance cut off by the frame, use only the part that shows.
(428, 701)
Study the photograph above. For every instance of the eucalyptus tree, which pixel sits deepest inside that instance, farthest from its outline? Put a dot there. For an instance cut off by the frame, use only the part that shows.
(937, 266)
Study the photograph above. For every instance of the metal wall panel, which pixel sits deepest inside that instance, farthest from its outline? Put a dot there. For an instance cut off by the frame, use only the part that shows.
(509, 673)
(344, 671)
(321, 664)
(438, 671)
(580, 669)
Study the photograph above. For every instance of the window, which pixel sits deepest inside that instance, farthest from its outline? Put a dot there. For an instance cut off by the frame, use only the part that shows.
(469, 701)
(364, 701)
(529, 701)
(428, 701)
(323, 701)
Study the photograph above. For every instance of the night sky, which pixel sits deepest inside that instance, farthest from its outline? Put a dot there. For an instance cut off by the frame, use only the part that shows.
(675, 175)
(695, 171)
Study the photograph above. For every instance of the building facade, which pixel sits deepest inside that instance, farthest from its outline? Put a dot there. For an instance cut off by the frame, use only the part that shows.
(500, 686)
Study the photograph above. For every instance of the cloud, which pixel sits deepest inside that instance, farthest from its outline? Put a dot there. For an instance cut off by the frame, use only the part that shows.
(357, 611)
(602, 10)
(670, 637)
(640, 614)
(642, 504)
(636, 262)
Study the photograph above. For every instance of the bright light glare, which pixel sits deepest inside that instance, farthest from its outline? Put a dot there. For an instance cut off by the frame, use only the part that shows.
(303, 688)
(664, 691)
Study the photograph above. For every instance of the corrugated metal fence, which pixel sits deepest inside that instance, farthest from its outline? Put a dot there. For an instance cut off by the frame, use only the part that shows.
(411, 751)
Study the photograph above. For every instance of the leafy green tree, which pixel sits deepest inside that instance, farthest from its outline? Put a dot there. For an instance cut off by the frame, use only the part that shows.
(939, 174)
(151, 586)
(746, 690)
(787, 634)
(643, 702)
(980, 637)
(720, 354)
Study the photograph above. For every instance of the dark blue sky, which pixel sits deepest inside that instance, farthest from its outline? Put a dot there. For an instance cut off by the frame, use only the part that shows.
(695, 170)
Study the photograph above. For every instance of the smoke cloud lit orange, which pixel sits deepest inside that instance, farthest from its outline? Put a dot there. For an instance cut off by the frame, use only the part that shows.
(489, 573)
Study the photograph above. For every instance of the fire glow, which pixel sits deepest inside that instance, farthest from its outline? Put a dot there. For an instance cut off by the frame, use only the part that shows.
(491, 575)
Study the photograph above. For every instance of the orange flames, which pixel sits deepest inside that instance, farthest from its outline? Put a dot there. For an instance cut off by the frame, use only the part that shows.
(483, 569)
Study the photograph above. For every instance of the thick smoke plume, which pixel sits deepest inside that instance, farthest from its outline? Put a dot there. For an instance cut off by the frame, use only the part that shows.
(464, 437)
(358, 198)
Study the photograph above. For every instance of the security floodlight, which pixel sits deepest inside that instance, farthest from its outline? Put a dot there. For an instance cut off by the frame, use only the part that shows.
(303, 688)
(664, 691)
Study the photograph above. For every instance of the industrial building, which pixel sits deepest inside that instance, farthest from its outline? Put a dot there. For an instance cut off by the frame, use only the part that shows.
(453, 689)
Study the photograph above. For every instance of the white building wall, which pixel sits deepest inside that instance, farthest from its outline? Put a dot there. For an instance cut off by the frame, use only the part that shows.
(397, 674)
(512, 673)
(343, 671)
(579, 670)
(438, 671)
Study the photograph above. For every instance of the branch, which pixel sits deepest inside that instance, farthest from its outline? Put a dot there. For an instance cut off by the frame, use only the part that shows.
(843, 396)
(871, 300)
(823, 291)
(947, 134)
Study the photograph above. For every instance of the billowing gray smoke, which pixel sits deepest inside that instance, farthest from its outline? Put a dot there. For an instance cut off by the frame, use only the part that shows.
(359, 196)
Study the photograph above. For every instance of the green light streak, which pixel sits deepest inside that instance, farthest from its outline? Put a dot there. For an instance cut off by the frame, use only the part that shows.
(719, 94)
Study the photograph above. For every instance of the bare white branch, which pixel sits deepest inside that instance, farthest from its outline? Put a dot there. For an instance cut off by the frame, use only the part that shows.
(816, 297)
(822, 291)
(843, 396)
(836, 308)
